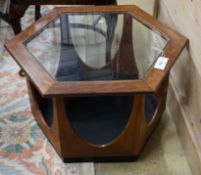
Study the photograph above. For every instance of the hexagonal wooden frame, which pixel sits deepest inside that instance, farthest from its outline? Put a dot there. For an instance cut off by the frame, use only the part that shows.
(49, 87)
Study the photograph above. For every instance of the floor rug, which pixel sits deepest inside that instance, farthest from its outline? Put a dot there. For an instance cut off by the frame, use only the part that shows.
(24, 150)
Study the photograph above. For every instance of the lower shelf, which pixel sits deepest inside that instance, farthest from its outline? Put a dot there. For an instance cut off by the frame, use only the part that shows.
(99, 120)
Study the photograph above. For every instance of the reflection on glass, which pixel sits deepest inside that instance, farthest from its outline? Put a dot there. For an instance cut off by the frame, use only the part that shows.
(96, 46)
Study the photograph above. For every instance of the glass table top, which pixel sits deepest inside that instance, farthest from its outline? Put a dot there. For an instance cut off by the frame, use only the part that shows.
(96, 46)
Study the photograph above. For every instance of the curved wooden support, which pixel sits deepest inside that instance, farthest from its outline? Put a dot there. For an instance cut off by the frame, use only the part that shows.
(52, 132)
(125, 58)
(72, 147)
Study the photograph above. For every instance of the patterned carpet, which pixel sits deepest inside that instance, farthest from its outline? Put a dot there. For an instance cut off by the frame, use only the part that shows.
(24, 150)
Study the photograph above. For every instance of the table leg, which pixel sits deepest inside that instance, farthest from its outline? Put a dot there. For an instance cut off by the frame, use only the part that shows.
(15, 14)
(14, 18)
(37, 12)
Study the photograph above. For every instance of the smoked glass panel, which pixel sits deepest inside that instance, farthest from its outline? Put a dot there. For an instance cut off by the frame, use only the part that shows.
(96, 46)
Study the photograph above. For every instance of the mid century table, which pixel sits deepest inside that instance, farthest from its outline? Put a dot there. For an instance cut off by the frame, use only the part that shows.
(97, 78)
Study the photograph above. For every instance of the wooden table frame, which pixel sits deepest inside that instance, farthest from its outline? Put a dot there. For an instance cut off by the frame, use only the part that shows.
(61, 134)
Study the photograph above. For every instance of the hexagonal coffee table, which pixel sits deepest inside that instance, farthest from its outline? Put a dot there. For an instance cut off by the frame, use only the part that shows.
(97, 78)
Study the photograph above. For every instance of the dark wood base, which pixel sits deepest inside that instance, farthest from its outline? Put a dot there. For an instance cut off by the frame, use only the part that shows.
(102, 159)
(72, 146)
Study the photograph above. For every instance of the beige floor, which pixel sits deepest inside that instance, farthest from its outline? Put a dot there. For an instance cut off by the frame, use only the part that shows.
(162, 155)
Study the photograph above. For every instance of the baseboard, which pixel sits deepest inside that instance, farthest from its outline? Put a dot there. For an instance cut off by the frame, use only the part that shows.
(186, 128)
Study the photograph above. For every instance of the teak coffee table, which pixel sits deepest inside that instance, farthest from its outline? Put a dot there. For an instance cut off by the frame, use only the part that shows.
(97, 78)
